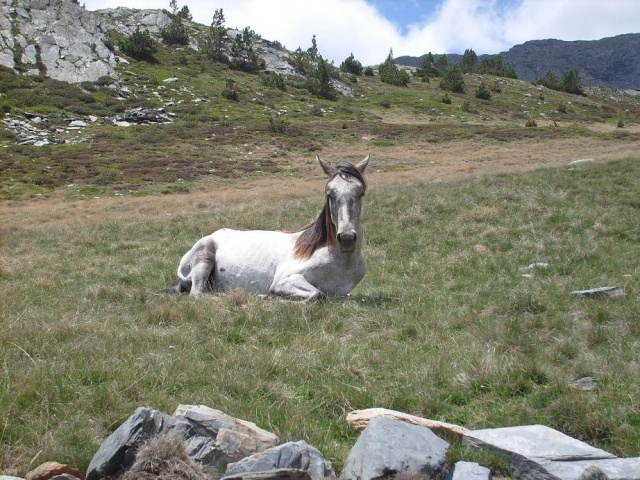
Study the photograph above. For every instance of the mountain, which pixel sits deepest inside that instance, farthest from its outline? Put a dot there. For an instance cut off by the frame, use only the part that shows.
(611, 62)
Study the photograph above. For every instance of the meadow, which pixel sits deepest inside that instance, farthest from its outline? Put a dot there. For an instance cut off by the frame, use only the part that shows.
(448, 323)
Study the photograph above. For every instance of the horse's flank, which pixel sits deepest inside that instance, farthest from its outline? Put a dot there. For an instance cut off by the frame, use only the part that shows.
(322, 232)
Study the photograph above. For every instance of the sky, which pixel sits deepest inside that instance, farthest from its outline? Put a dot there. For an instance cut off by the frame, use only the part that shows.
(370, 29)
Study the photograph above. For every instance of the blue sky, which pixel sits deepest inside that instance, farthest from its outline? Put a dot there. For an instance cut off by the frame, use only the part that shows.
(371, 28)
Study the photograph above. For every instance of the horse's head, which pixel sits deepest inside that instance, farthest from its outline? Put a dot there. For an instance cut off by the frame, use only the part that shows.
(345, 189)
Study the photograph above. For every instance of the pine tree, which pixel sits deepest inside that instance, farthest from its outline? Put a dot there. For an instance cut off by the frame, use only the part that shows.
(213, 44)
(469, 60)
(391, 74)
(571, 83)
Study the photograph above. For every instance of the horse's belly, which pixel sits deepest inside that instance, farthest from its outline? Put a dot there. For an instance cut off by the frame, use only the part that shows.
(247, 260)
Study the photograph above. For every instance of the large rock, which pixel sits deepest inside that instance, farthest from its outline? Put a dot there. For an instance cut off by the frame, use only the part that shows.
(387, 447)
(537, 452)
(117, 452)
(293, 455)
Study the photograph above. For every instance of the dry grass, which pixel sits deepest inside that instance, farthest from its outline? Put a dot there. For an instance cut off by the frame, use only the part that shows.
(164, 457)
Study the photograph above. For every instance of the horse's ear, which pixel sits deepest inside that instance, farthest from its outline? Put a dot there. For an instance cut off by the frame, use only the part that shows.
(329, 169)
(363, 164)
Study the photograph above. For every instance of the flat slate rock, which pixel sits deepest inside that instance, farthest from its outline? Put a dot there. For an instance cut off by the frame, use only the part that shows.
(538, 452)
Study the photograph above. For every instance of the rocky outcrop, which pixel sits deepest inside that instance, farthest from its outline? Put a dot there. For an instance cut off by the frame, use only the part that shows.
(62, 40)
(391, 445)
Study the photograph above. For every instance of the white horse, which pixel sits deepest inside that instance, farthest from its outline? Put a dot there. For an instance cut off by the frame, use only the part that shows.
(323, 259)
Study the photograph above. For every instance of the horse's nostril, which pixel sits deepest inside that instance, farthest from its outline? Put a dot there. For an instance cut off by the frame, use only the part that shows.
(347, 237)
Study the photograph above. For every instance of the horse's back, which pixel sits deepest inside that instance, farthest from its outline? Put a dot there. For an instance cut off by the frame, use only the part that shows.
(248, 259)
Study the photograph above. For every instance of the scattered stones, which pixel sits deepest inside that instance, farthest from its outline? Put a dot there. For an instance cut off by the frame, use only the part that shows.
(593, 473)
(582, 161)
(531, 266)
(468, 471)
(586, 384)
(599, 292)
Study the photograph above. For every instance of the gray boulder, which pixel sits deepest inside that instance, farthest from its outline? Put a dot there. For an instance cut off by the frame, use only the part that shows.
(293, 455)
(389, 447)
(117, 452)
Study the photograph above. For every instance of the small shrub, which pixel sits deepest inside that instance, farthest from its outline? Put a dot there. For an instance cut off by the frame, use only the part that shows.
(391, 74)
(531, 123)
(385, 104)
(482, 92)
(452, 81)
(274, 80)
(562, 107)
(368, 71)
(278, 124)
(446, 99)
(351, 65)
(467, 107)
(139, 45)
(496, 88)
(620, 123)
(230, 91)
(175, 33)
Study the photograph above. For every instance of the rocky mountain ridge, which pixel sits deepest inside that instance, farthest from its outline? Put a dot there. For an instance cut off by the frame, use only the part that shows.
(610, 62)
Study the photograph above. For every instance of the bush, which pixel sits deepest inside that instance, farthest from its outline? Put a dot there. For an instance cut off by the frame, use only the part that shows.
(319, 82)
(139, 45)
(482, 92)
(274, 80)
(531, 123)
(175, 33)
(620, 123)
(368, 71)
(230, 91)
(562, 107)
(452, 81)
(391, 74)
(446, 99)
(278, 124)
(351, 65)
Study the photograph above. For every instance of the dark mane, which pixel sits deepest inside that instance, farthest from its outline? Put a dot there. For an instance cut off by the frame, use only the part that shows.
(322, 231)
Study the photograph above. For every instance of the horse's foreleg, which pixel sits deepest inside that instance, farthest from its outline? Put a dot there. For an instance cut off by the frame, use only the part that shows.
(297, 287)
(202, 264)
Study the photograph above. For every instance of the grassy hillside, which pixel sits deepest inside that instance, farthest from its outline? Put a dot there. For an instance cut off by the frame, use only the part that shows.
(266, 131)
(448, 323)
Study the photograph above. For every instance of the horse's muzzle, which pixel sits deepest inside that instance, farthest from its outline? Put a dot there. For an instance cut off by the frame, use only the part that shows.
(347, 242)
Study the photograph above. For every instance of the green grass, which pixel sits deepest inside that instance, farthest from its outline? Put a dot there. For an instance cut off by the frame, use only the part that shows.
(444, 325)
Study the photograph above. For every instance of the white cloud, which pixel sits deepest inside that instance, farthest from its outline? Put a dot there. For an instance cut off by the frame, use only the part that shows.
(355, 26)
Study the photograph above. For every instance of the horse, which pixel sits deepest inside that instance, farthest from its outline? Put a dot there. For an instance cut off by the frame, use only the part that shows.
(323, 259)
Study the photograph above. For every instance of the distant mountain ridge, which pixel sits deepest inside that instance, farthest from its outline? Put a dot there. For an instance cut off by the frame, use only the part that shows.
(612, 62)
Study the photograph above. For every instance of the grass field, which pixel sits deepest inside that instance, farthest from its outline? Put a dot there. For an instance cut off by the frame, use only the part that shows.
(447, 323)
